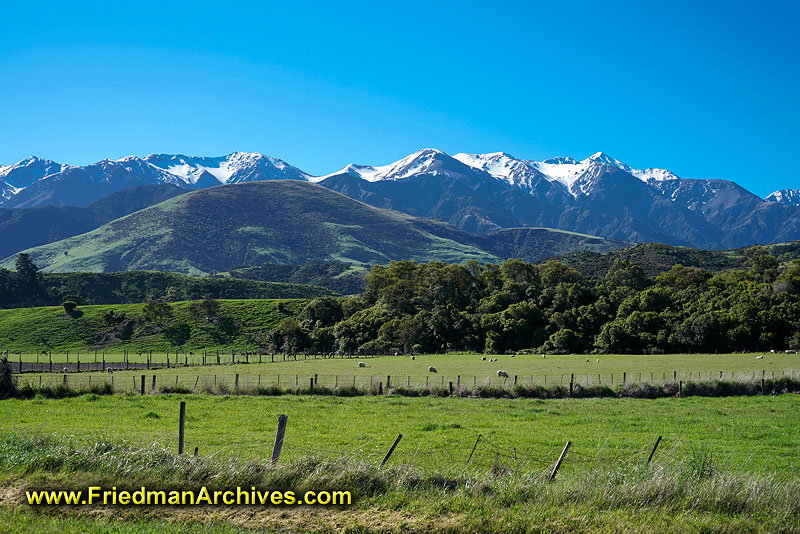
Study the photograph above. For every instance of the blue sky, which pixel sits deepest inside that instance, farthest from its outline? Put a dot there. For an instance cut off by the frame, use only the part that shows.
(706, 89)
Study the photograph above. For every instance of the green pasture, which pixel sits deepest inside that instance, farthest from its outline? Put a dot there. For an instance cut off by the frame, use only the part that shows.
(741, 434)
(464, 369)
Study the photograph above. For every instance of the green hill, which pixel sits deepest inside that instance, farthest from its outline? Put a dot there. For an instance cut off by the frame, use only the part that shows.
(239, 323)
(283, 222)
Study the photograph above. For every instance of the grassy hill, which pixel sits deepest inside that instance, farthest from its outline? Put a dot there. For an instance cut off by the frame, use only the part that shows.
(285, 222)
(288, 222)
(50, 328)
(23, 228)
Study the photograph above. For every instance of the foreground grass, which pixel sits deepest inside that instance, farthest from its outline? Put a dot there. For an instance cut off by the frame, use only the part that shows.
(749, 434)
(681, 493)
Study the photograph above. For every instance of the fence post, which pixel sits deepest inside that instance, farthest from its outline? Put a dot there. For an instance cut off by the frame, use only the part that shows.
(451, 388)
(65, 381)
(236, 382)
(473, 451)
(391, 449)
(680, 388)
(154, 383)
(276, 449)
(181, 423)
(558, 463)
(142, 384)
(571, 381)
(311, 386)
(380, 388)
(388, 380)
(654, 450)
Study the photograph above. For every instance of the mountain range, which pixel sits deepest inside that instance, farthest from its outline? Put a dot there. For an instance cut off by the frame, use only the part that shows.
(478, 193)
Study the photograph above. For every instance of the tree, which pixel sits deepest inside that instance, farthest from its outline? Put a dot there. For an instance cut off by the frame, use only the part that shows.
(157, 311)
(69, 306)
(28, 278)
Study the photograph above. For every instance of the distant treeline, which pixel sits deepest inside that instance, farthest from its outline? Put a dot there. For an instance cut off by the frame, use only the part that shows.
(337, 276)
(436, 307)
(28, 287)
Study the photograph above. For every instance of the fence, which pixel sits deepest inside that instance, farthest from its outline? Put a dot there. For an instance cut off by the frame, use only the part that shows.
(131, 382)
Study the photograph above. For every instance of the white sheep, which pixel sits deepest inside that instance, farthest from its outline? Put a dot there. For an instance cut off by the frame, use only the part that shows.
(413, 358)
(759, 357)
(362, 364)
(109, 370)
(598, 360)
(65, 370)
(513, 355)
(544, 356)
(502, 373)
(587, 359)
(432, 369)
(483, 359)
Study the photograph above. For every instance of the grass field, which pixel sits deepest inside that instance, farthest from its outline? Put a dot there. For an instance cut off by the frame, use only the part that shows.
(724, 465)
(757, 434)
(466, 369)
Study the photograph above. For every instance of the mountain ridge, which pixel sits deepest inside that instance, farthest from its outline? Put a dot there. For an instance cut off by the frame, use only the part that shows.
(480, 193)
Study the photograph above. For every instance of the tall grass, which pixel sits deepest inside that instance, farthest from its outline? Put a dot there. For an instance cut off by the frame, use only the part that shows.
(639, 390)
(683, 480)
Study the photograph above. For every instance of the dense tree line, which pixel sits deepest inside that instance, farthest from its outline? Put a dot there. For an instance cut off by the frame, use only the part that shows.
(551, 307)
(28, 287)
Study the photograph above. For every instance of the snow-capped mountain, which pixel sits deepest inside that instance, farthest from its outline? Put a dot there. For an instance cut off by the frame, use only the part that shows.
(787, 197)
(37, 181)
(599, 195)
(480, 193)
(28, 171)
(233, 168)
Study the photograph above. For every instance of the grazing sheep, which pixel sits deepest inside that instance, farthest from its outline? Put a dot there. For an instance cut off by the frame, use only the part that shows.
(544, 356)
(413, 358)
(513, 355)
(362, 364)
(587, 359)
(502, 373)
(483, 359)
(791, 351)
(759, 357)
(109, 370)
(432, 369)
(598, 360)
(65, 370)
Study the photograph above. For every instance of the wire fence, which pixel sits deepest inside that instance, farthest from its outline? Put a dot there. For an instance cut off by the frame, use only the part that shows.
(131, 381)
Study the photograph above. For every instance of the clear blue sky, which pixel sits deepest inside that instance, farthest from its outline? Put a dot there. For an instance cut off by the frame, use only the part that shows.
(706, 89)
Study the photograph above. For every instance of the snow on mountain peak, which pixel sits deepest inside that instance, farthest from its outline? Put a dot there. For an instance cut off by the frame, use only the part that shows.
(789, 197)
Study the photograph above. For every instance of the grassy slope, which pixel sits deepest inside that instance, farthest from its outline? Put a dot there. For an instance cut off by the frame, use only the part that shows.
(250, 224)
(24, 329)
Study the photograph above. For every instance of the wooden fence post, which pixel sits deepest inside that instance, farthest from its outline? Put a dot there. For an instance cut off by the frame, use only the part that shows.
(276, 449)
(473, 451)
(311, 386)
(558, 463)
(391, 449)
(236, 382)
(142, 384)
(154, 383)
(654, 450)
(181, 423)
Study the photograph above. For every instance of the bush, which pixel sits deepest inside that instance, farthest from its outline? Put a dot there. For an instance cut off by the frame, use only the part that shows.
(7, 386)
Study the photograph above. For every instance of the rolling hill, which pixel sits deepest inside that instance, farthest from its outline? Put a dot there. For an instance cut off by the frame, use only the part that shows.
(23, 228)
(285, 222)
